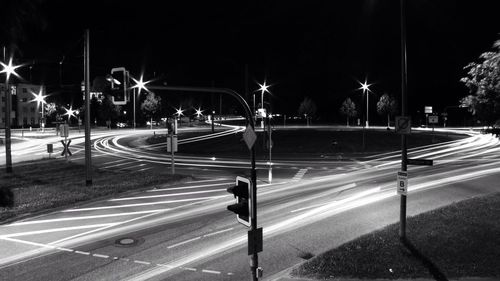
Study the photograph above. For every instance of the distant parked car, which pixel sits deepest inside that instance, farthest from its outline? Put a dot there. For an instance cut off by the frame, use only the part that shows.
(121, 125)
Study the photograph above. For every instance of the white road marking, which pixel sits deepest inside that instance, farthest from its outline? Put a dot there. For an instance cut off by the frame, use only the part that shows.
(142, 204)
(142, 262)
(115, 165)
(28, 242)
(189, 187)
(166, 195)
(87, 217)
(298, 176)
(100, 256)
(82, 253)
(65, 249)
(184, 242)
(144, 169)
(210, 271)
(55, 230)
(188, 268)
(217, 232)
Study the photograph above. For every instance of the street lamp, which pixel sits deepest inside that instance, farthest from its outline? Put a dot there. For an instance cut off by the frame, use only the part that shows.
(140, 85)
(199, 112)
(40, 99)
(365, 87)
(263, 88)
(8, 69)
(70, 112)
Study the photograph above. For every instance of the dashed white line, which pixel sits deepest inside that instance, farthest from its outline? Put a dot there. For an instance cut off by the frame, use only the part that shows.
(210, 271)
(82, 253)
(142, 262)
(100, 256)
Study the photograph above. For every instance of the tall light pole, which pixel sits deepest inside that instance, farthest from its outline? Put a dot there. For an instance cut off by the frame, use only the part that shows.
(40, 99)
(365, 87)
(8, 69)
(263, 88)
(139, 85)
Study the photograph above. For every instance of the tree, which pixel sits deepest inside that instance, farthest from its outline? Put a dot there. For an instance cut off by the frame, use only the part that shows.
(348, 109)
(151, 106)
(483, 81)
(307, 108)
(387, 105)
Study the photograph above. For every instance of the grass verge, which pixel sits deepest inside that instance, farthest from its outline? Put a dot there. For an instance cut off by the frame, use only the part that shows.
(53, 183)
(460, 240)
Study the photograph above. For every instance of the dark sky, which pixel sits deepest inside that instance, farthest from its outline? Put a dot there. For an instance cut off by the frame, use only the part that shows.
(303, 48)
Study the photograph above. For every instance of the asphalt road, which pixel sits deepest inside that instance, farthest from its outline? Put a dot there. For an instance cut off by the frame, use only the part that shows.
(183, 232)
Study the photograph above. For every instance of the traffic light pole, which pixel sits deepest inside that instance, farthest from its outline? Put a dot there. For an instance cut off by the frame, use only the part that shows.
(254, 264)
(88, 158)
(404, 109)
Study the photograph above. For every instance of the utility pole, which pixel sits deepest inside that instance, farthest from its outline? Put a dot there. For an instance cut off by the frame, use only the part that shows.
(88, 159)
(404, 109)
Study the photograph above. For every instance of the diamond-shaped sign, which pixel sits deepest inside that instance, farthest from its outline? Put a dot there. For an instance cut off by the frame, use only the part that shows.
(249, 136)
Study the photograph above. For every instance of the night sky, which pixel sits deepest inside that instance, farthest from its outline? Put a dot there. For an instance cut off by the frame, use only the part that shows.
(302, 48)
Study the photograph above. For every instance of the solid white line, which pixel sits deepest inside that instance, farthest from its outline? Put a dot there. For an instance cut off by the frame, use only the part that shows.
(100, 256)
(55, 230)
(189, 187)
(210, 271)
(184, 242)
(165, 195)
(141, 204)
(87, 217)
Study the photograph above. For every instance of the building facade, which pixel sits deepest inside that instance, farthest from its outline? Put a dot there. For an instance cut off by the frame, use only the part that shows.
(24, 111)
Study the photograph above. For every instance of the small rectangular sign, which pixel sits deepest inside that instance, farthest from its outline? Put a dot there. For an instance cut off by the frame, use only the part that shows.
(428, 109)
(255, 241)
(171, 145)
(64, 129)
(421, 162)
(402, 183)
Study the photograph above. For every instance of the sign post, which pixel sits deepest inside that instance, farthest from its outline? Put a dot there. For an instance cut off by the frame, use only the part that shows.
(64, 128)
(172, 145)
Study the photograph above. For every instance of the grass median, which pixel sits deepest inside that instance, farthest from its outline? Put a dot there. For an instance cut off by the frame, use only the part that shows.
(459, 240)
(48, 184)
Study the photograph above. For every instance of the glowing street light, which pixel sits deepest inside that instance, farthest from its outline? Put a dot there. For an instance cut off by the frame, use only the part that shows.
(179, 111)
(199, 112)
(140, 85)
(8, 69)
(70, 112)
(366, 89)
(40, 99)
(263, 88)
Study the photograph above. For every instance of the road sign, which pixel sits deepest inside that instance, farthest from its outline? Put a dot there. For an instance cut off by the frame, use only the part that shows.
(433, 119)
(402, 182)
(171, 145)
(64, 128)
(428, 109)
(255, 241)
(249, 137)
(420, 162)
(403, 125)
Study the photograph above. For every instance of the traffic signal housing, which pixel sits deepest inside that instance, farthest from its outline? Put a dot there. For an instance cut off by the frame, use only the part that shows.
(243, 207)
(119, 85)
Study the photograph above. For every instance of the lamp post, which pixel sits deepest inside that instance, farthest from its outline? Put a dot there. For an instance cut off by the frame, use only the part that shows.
(70, 112)
(140, 85)
(365, 87)
(8, 69)
(40, 99)
(263, 88)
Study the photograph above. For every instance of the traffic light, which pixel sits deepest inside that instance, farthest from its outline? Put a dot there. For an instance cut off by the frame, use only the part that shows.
(119, 85)
(242, 193)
